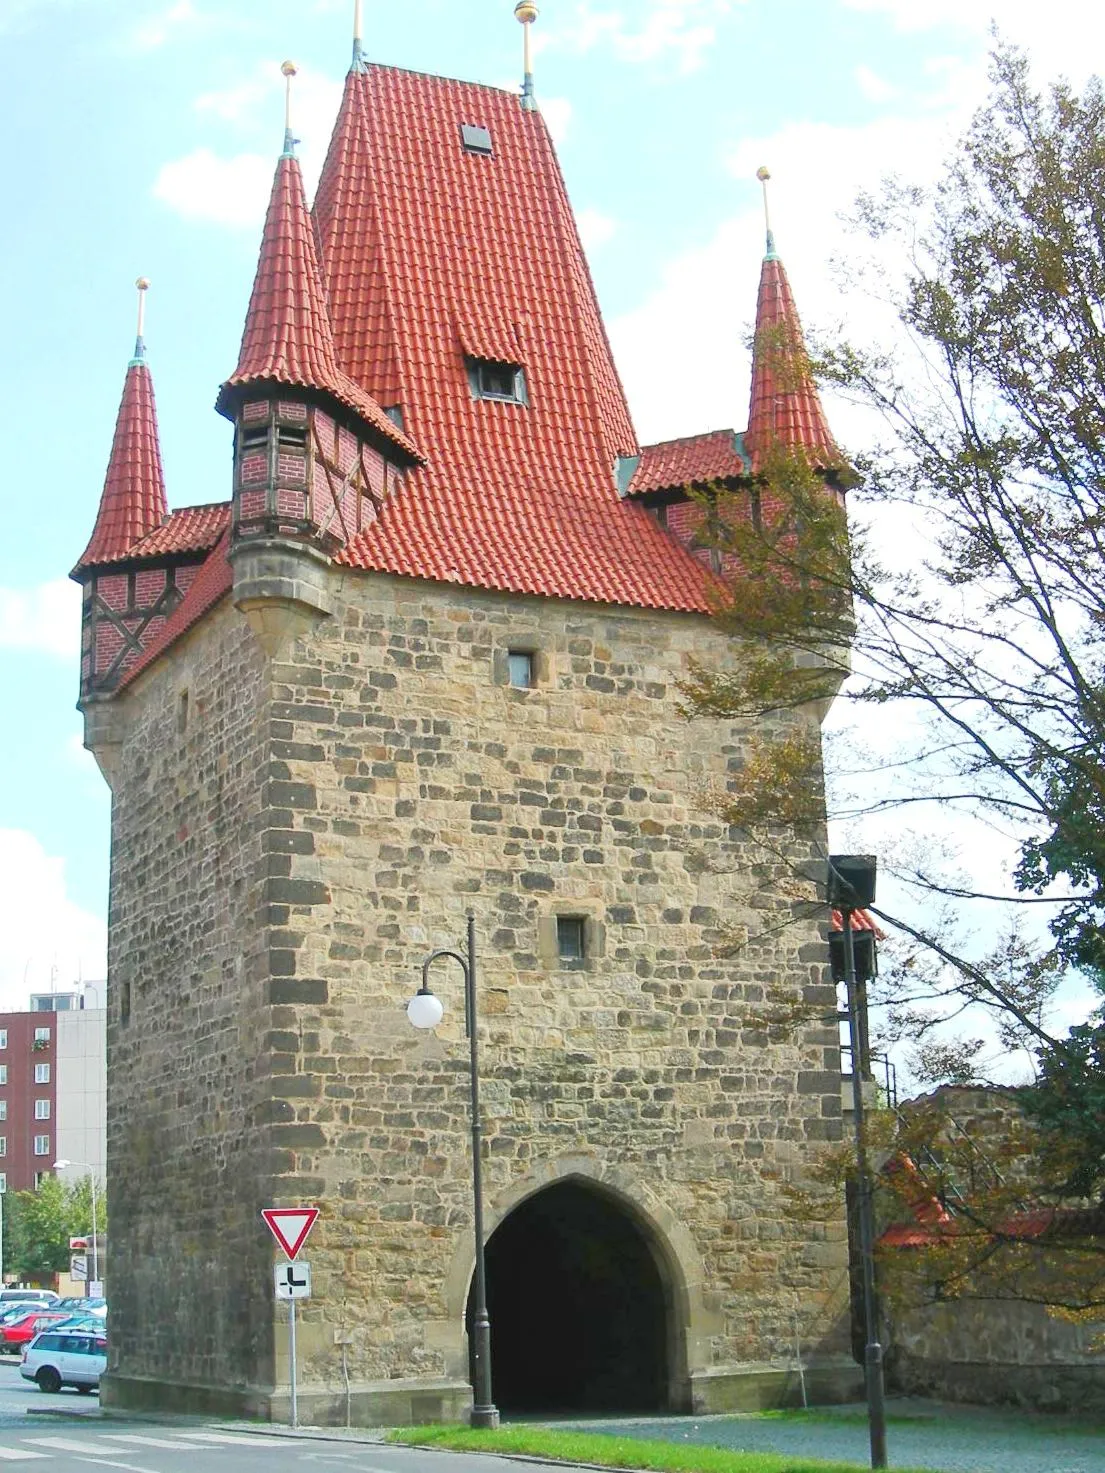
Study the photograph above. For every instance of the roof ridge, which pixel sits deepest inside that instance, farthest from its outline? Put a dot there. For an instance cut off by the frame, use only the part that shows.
(686, 439)
(379, 66)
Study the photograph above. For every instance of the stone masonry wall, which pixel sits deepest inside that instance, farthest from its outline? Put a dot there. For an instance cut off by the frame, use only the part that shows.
(188, 1070)
(280, 875)
(423, 785)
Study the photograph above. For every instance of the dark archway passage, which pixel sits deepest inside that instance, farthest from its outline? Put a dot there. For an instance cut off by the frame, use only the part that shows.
(578, 1309)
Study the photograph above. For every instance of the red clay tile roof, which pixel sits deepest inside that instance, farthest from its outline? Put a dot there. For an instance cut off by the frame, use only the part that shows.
(189, 529)
(213, 581)
(784, 408)
(861, 921)
(133, 499)
(287, 337)
(431, 252)
(695, 460)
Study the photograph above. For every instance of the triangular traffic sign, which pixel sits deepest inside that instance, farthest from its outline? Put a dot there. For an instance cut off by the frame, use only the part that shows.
(290, 1226)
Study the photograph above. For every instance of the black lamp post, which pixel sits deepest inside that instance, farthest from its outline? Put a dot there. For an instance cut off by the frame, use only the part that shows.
(851, 888)
(425, 1011)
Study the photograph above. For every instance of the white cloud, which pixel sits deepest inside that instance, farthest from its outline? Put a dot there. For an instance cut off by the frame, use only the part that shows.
(158, 30)
(871, 85)
(557, 112)
(1055, 36)
(234, 189)
(46, 936)
(681, 31)
(46, 618)
(225, 191)
(595, 228)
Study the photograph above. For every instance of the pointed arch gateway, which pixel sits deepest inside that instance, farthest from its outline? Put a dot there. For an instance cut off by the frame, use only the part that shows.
(588, 1304)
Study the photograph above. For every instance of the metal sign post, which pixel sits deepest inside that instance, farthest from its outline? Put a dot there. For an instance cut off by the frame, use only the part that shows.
(293, 1281)
(290, 1227)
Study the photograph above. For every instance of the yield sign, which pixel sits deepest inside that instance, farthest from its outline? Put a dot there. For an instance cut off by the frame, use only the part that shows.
(290, 1226)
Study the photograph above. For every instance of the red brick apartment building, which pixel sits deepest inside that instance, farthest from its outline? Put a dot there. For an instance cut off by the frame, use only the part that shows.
(37, 1049)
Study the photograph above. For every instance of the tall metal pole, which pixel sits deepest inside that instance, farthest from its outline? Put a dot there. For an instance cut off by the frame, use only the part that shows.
(484, 1411)
(872, 1357)
(95, 1240)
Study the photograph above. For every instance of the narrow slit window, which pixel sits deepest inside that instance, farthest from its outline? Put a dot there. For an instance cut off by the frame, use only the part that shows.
(519, 665)
(571, 938)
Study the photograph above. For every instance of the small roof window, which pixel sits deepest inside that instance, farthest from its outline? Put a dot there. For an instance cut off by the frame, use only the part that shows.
(476, 139)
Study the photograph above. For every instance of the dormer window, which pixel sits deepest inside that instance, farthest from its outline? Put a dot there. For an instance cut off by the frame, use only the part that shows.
(504, 381)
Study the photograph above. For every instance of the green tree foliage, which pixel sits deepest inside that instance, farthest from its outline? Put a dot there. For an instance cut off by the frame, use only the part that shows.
(975, 620)
(39, 1224)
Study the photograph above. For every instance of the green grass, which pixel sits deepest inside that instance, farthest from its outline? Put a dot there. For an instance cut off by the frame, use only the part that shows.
(614, 1452)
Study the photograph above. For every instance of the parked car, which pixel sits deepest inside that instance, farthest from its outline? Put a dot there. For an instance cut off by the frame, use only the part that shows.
(69, 1357)
(16, 1333)
(30, 1296)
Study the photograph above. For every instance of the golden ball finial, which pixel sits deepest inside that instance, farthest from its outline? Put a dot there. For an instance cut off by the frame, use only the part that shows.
(288, 68)
(763, 173)
(143, 283)
(525, 11)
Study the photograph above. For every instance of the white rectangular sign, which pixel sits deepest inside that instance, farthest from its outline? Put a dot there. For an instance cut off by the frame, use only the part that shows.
(293, 1280)
(78, 1267)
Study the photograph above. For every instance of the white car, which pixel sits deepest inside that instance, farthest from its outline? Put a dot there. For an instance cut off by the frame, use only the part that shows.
(60, 1357)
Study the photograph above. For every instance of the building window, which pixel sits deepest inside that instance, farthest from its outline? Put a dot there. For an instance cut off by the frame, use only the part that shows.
(3, 1182)
(505, 381)
(3, 1038)
(571, 938)
(3, 1109)
(3, 1145)
(519, 666)
(3, 1073)
(40, 1177)
(42, 1109)
(42, 1145)
(42, 1074)
(42, 1035)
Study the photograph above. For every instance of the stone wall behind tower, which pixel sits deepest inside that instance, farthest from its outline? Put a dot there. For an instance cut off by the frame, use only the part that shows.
(344, 807)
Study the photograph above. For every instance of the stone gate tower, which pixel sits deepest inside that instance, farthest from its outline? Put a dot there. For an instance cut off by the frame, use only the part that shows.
(425, 662)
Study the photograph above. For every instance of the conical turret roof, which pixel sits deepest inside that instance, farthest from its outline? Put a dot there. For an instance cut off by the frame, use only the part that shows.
(785, 408)
(288, 338)
(133, 500)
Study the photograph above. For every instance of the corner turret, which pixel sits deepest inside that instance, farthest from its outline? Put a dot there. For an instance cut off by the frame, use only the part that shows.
(314, 456)
(784, 410)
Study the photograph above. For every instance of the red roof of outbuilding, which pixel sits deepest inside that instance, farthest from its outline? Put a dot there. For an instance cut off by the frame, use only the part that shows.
(433, 254)
(133, 500)
(287, 337)
(784, 408)
(695, 460)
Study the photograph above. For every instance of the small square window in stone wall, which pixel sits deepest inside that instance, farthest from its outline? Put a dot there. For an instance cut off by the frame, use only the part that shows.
(520, 668)
(571, 937)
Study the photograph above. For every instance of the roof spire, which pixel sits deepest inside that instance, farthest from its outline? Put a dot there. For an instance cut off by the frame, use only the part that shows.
(133, 500)
(289, 70)
(358, 35)
(143, 285)
(784, 412)
(526, 12)
(763, 174)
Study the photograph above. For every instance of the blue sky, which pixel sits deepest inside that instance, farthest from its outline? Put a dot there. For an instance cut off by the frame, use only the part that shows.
(141, 137)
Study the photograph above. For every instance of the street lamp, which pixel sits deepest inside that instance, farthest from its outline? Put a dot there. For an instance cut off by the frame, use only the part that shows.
(852, 887)
(426, 1011)
(85, 1166)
